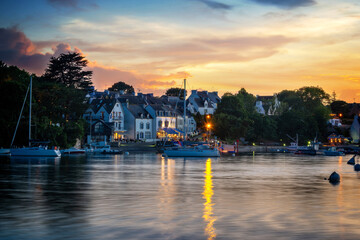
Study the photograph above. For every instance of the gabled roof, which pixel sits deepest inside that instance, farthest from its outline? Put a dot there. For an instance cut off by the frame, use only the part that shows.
(108, 104)
(132, 99)
(136, 110)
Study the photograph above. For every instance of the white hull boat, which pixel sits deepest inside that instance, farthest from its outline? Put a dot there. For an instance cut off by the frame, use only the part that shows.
(198, 151)
(73, 151)
(34, 152)
(106, 150)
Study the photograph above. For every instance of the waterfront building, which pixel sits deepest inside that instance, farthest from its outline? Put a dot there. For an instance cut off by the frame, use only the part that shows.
(138, 122)
(203, 102)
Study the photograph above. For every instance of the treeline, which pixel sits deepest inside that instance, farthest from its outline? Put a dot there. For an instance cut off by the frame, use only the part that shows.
(58, 102)
(304, 112)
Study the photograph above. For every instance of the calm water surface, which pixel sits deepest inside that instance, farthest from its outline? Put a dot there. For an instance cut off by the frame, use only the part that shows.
(145, 196)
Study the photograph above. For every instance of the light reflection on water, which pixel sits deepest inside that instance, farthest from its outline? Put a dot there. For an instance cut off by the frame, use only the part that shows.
(208, 205)
(145, 196)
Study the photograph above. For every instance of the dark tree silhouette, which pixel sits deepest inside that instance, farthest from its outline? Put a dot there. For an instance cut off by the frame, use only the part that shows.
(68, 70)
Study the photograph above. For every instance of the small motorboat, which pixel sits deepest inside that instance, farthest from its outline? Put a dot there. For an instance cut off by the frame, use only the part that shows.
(106, 150)
(73, 151)
(333, 152)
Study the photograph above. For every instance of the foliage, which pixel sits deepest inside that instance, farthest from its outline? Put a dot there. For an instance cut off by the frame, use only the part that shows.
(301, 112)
(67, 69)
(338, 107)
(121, 86)
(175, 92)
(13, 86)
(57, 110)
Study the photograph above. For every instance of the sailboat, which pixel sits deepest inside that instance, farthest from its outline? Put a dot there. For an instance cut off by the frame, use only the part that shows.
(31, 151)
(197, 151)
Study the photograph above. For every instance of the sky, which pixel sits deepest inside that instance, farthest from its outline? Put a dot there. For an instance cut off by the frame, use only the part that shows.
(264, 46)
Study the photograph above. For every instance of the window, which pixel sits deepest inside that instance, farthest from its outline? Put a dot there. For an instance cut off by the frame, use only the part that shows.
(147, 125)
(160, 123)
(141, 125)
(141, 135)
(166, 123)
(148, 135)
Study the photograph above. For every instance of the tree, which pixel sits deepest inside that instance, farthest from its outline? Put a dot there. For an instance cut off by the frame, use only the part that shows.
(175, 92)
(13, 86)
(338, 107)
(68, 70)
(121, 86)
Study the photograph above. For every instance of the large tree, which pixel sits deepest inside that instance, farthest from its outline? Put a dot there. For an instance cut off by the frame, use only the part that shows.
(68, 69)
(121, 86)
(175, 92)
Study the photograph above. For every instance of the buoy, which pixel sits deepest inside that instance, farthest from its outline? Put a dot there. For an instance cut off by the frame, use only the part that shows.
(352, 160)
(334, 178)
(357, 167)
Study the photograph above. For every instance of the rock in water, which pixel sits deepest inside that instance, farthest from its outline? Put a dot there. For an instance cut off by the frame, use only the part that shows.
(334, 177)
(351, 161)
(357, 167)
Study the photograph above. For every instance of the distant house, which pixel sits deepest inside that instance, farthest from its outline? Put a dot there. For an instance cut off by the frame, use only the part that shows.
(335, 122)
(334, 139)
(267, 105)
(203, 102)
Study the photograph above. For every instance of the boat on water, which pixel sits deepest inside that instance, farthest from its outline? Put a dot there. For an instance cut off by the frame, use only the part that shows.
(34, 152)
(106, 150)
(30, 151)
(5, 152)
(333, 152)
(73, 151)
(197, 151)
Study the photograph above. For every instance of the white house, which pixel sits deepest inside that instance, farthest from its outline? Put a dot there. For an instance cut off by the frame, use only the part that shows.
(139, 123)
(267, 105)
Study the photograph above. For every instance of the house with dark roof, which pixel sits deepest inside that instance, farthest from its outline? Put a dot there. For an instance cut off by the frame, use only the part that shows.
(138, 123)
(203, 102)
(267, 105)
(104, 114)
(164, 118)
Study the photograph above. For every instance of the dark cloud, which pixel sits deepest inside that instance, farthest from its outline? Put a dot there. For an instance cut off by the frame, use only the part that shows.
(216, 5)
(287, 3)
(16, 49)
(72, 4)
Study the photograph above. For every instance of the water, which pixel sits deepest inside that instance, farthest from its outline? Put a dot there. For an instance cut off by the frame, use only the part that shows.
(144, 196)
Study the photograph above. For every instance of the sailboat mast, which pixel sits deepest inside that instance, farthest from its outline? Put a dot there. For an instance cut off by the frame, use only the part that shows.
(184, 109)
(30, 111)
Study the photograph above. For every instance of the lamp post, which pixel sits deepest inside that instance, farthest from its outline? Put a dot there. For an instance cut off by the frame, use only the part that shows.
(208, 127)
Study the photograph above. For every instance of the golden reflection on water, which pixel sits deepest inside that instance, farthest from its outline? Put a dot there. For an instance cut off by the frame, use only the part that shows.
(340, 160)
(208, 205)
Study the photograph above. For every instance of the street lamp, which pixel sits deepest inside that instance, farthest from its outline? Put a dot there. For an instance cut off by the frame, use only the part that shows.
(208, 127)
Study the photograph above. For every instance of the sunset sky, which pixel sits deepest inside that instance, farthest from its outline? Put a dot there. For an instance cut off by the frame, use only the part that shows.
(264, 46)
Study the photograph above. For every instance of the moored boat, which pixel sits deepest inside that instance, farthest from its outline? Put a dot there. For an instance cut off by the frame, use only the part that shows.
(333, 152)
(73, 151)
(197, 151)
(106, 150)
(34, 152)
